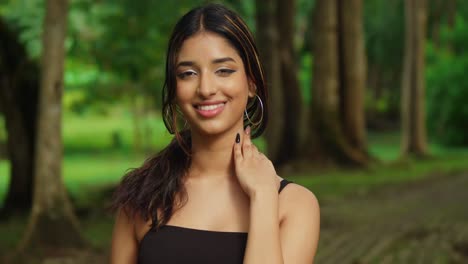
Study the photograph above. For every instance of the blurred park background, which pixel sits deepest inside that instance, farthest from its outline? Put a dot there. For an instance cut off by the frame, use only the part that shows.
(368, 111)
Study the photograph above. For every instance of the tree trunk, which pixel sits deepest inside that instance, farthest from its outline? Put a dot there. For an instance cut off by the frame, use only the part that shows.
(440, 9)
(327, 142)
(436, 18)
(18, 101)
(413, 115)
(19, 147)
(325, 78)
(451, 13)
(267, 40)
(292, 99)
(352, 73)
(52, 223)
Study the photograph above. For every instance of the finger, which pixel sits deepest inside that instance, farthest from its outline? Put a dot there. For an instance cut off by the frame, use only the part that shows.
(247, 133)
(246, 150)
(255, 150)
(262, 156)
(247, 144)
(238, 157)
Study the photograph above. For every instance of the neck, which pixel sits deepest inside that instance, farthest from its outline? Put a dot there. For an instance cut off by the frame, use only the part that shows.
(212, 156)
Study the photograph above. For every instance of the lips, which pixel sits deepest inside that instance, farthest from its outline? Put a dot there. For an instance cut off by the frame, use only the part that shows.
(208, 109)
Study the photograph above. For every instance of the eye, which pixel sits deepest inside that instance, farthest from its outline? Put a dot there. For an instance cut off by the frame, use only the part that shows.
(186, 74)
(224, 72)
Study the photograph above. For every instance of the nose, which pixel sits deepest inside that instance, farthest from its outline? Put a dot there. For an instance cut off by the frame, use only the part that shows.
(207, 86)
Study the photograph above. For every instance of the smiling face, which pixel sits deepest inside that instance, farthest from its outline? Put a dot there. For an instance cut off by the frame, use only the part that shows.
(212, 85)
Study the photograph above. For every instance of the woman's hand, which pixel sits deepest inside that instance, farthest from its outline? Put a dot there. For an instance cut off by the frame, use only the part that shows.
(254, 170)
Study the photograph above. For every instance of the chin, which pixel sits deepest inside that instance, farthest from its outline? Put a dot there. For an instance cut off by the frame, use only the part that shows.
(213, 128)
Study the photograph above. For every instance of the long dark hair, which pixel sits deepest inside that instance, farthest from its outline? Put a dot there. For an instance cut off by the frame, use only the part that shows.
(156, 184)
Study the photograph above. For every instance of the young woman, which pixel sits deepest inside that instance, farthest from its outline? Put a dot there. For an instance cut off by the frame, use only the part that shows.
(210, 196)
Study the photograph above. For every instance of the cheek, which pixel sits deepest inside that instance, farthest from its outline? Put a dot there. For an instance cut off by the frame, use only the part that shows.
(183, 94)
(238, 87)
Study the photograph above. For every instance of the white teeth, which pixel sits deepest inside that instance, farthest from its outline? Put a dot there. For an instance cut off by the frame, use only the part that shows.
(209, 107)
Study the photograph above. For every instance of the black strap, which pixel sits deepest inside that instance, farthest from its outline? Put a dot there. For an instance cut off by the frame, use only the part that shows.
(283, 184)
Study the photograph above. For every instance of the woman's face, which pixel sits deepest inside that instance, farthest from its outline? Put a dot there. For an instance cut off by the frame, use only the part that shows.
(212, 85)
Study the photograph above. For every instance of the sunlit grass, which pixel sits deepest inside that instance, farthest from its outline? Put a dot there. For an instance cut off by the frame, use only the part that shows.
(91, 161)
(90, 158)
(384, 146)
(4, 179)
(391, 169)
(99, 133)
(336, 183)
(92, 164)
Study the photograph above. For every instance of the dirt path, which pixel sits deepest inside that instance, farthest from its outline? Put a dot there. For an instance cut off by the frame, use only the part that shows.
(426, 222)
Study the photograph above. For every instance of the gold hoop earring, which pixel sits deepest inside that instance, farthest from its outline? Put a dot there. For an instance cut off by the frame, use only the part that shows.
(261, 117)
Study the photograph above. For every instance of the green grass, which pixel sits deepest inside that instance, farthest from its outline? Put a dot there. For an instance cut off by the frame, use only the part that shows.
(337, 183)
(92, 164)
(2, 129)
(85, 174)
(11, 231)
(95, 133)
(4, 179)
(384, 146)
(90, 160)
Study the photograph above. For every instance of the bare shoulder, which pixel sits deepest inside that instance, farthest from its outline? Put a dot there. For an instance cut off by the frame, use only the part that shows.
(123, 244)
(297, 199)
(300, 223)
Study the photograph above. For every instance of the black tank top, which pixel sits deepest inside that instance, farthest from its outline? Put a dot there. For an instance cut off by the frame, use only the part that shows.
(180, 245)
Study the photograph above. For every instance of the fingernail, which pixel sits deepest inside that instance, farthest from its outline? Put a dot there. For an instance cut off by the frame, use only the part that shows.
(237, 138)
(247, 130)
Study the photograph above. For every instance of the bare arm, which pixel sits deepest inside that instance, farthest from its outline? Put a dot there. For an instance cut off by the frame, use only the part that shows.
(301, 227)
(124, 243)
(263, 242)
(296, 240)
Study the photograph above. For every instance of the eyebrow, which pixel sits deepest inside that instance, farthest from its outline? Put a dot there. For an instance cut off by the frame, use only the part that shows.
(215, 61)
(221, 60)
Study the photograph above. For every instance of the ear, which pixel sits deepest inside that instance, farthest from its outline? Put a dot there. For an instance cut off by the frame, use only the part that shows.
(252, 89)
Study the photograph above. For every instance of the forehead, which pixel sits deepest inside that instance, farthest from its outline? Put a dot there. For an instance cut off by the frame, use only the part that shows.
(206, 46)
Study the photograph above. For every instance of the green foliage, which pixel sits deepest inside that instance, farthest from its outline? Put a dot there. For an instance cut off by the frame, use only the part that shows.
(447, 87)
(384, 41)
(26, 17)
(4, 179)
(91, 133)
(384, 33)
(116, 49)
(305, 77)
(3, 134)
(337, 183)
(89, 177)
(245, 8)
(380, 105)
